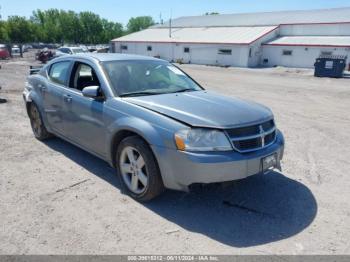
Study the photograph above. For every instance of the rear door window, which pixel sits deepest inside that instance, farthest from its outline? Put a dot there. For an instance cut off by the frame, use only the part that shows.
(59, 72)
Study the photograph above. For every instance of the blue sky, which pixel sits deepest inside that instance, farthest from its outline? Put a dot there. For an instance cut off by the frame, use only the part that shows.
(121, 11)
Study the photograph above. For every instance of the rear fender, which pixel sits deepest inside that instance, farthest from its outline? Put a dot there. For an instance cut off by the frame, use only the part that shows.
(31, 96)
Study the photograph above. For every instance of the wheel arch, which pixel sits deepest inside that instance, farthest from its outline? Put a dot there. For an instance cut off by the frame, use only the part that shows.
(117, 138)
(28, 104)
(34, 98)
(132, 127)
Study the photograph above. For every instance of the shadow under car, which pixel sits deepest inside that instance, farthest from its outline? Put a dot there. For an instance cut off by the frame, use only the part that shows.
(258, 210)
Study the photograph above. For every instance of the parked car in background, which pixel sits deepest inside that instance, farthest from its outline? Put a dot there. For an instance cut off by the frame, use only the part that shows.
(26, 48)
(66, 50)
(152, 122)
(16, 51)
(92, 49)
(85, 48)
(4, 53)
(103, 50)
(42, 46)
(98, 48)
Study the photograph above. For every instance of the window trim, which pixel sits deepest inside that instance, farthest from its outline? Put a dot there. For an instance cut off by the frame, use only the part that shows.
(66, 78)
(187, 48)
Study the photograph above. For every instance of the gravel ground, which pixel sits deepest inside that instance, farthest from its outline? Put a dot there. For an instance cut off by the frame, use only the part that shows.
(58, 199)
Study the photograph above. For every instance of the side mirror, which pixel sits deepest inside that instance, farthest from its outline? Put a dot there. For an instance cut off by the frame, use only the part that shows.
(92, 92)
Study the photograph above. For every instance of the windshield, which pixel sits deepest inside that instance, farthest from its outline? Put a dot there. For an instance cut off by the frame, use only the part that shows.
(136, 78)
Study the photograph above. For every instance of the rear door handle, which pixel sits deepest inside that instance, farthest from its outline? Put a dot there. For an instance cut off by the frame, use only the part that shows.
(67, 98)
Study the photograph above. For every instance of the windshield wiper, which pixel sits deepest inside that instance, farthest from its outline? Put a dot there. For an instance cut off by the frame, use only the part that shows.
(143, 93)
(148, 93)
(184, 90)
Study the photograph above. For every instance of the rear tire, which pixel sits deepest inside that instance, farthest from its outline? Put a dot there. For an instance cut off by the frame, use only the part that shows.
(38, 127)
(138, 169)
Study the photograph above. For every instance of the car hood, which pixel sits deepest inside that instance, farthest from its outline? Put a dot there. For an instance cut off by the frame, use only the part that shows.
(205, 109)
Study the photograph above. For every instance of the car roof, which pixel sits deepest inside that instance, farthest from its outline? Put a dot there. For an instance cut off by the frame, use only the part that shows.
(105, 57)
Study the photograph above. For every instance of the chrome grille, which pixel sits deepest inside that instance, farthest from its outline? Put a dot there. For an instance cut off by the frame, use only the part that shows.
(252, 138)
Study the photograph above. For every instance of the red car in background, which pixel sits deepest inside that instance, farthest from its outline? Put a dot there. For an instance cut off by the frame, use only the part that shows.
(4, 53)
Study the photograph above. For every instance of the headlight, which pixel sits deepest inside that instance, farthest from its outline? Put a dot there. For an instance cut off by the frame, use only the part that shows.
(200, 139)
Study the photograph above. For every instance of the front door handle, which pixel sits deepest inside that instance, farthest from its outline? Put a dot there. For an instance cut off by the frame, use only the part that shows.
(67, 98)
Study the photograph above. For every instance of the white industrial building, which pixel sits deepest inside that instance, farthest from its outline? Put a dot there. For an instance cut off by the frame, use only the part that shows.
(291, 38)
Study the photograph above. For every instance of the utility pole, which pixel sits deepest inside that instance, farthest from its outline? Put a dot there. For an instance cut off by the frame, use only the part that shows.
(171, 17)
(170, 28)
(160, 19)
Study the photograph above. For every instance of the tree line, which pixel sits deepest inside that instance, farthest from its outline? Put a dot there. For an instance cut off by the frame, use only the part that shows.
(67, 27)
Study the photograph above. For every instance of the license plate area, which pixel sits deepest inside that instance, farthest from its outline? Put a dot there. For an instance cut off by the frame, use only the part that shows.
(269, 163)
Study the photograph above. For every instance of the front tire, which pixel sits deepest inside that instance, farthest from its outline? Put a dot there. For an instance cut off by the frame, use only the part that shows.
(138, 170)
(38, 127)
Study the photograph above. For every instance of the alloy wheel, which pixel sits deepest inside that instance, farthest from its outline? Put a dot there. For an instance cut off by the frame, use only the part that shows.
(133, 170)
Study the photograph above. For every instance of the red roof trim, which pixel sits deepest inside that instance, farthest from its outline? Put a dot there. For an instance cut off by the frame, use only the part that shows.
(264, 35)
(310, 45)
(173, 42)
(329, 23)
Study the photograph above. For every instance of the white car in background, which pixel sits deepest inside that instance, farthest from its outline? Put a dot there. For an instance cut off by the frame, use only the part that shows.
(66, 50)
(16, 51)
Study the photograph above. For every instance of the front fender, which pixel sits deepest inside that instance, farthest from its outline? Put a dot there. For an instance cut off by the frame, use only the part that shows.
(153, 135)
